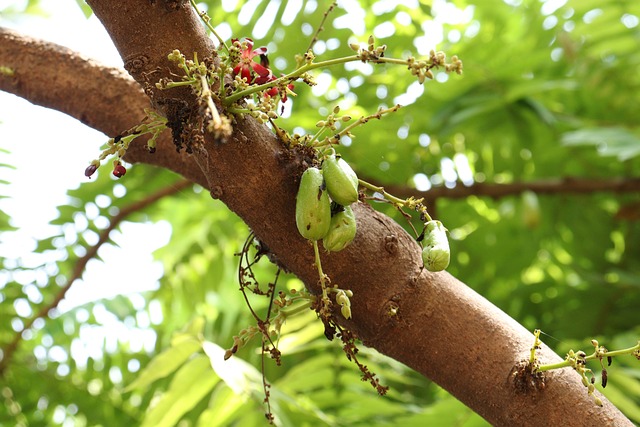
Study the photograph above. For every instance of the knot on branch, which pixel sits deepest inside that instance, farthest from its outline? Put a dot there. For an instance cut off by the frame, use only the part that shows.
(136, 64)
(526, 379)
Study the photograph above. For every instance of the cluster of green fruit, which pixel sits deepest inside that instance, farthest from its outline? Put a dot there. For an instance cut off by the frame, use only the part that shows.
(316, 217)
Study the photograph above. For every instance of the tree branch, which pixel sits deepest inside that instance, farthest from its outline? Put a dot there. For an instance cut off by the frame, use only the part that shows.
(551, 186)
(441, 328)
(9, 350)
(55, 77)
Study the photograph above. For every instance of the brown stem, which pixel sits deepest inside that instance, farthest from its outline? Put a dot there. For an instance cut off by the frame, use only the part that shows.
(431, 322)
(9, 350)
(550, 186)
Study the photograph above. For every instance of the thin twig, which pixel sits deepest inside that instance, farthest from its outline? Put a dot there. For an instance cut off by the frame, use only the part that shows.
(79, 267)
(496, 191)
(320, 28)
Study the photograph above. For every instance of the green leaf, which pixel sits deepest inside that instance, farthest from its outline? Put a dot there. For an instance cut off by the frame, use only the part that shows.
(190, 384)
(86, 10)
(239, 375)
(166, 362)
(613, 141)
(447, 412)
(624, 391)
(223, 407)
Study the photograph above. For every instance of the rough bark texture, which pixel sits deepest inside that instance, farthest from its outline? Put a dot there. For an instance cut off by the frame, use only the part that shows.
(442, 328)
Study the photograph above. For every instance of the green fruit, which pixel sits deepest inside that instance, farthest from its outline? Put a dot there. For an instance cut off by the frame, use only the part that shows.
(341, 231)
(436, 254)
(313, 208)
(342, 181)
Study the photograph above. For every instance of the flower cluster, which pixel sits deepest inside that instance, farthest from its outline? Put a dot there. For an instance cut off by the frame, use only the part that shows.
(246, 67)
(253, 72)
(152, 126)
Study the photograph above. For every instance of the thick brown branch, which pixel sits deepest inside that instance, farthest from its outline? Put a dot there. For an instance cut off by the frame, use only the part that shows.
(431, 322)
(54, 76)
(551, 186)
(105, 98)
(80, 266)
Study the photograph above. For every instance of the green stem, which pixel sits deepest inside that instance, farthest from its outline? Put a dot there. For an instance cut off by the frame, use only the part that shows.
(551, 366)
(317, 135)
(532, 357)
(221, 88)
(592, 356)
(323, 284)
(614, 353)
(170, 85)
(382, 191)
(392, 61)
(296, 310)
(362, 120)
(239, 110)
(205, 18)
(294, 75)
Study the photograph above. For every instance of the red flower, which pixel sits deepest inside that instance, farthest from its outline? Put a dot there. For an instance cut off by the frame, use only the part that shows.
(273, 91)
(246, 64)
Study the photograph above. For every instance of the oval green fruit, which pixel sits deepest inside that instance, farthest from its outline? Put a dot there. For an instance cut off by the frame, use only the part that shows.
(313, 207)
(436, 254)
(342, 181)
(341, 232)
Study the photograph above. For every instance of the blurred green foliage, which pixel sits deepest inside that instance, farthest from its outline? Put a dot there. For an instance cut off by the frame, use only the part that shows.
(549, 91)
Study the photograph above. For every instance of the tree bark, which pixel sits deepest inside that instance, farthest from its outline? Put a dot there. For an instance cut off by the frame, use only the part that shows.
(441, 328)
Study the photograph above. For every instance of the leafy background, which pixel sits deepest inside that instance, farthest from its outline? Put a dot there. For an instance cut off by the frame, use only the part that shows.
(549, 92)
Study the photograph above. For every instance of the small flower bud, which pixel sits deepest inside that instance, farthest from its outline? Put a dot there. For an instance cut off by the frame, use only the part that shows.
(346, 311)
(341, 298)
(354, 46)
(90, 170)
(119, 171)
